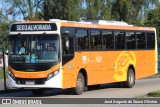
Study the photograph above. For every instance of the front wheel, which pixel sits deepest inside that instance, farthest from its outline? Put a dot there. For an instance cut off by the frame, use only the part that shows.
(130, 79)
(80, 85)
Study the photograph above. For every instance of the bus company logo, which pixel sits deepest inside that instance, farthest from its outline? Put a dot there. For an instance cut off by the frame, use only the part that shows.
(121, 65)
(6, 101)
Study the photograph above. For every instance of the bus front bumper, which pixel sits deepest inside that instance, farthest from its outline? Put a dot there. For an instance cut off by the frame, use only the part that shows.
(55, 82)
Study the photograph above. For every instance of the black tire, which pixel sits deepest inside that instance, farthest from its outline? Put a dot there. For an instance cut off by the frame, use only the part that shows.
(130, 79)
(37, 92)
(80, 85)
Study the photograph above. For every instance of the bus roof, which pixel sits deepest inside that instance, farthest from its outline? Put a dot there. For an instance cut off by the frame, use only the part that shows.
(100, 24)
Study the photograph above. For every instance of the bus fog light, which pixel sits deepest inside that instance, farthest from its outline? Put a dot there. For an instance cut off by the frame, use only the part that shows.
(51, 75)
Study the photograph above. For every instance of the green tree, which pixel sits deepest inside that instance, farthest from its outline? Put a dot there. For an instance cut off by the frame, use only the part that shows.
(29, 9)
(105, 10)
(153, 20)
(4, 27)
(121, 10)
(61, 9)
(141, 9)
(93, 9)
(4, 21)
(132, 11)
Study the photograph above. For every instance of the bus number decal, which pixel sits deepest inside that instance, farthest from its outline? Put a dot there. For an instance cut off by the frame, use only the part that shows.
(99, 58)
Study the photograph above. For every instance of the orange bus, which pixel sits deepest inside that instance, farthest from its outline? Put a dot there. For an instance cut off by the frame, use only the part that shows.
(67, 54)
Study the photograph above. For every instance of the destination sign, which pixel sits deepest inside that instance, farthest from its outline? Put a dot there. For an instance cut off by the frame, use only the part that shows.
(34, 27)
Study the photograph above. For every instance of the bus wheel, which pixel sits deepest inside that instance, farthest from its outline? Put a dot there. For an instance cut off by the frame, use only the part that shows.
(37, 91)
(130, 79)
(80, 85)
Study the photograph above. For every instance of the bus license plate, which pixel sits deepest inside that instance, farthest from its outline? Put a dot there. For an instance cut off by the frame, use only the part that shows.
(29, 82)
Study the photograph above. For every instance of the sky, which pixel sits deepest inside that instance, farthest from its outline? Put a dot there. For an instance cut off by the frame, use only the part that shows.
(4, 6)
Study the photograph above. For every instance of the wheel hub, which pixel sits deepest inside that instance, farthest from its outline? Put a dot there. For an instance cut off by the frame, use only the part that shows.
(79, 84)
(131, 79)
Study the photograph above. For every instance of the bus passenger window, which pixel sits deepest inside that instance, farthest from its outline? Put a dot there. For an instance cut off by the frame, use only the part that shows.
(131, 40)
(82, 40)
(141, 40)
(119, 40)
(67, 45)
(150, 40)
(95, 40)
(108, 40)
(67, 40)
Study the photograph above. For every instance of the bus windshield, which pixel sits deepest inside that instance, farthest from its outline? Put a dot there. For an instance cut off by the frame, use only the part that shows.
(34, 48)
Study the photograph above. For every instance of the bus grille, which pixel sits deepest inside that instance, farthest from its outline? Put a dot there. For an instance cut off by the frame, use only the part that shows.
(40, 81)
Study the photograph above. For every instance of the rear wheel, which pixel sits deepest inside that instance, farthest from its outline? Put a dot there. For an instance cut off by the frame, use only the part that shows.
(80, 85)
(37, 91)
(130, 79)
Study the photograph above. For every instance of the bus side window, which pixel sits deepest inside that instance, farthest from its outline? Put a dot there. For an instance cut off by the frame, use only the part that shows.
(150, 40)
(141, 40)
(130, 40)
(119, 40)
(67, 40)
(96, 40)
(82, 40)
(108, 40)
(67, 45)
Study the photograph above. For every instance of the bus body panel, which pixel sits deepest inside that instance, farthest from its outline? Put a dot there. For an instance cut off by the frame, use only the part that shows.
(109, 66)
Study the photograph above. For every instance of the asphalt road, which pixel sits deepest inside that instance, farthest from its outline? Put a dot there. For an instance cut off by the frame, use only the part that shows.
(142, 87)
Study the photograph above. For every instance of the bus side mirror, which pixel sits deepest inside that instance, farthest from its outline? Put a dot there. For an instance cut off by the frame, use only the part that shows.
(5, 44)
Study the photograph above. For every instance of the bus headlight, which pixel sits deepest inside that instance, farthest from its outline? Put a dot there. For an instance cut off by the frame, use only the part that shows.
(51, 75)
(11, 75)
